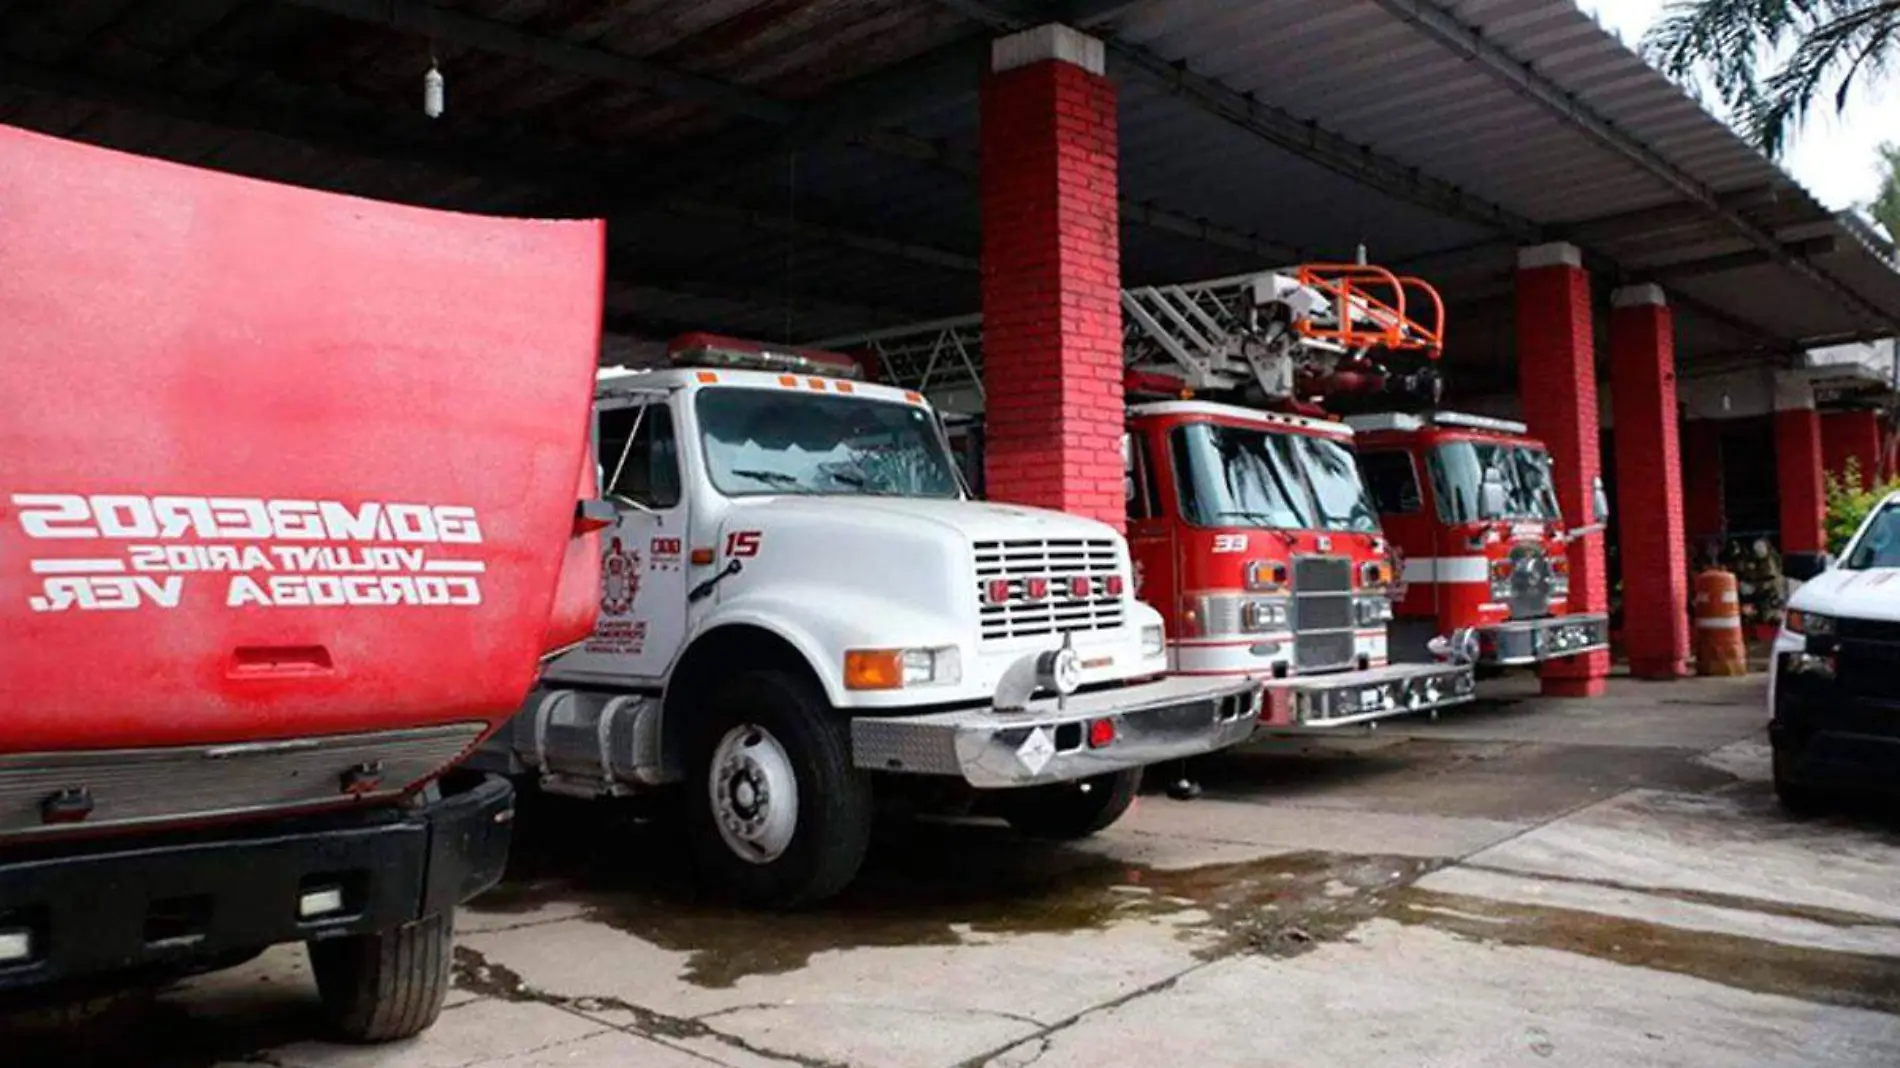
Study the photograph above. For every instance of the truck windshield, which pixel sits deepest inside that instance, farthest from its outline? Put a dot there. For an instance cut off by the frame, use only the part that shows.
(1242, 477)
(776, 441)
(1457, 470)
(1880, 545)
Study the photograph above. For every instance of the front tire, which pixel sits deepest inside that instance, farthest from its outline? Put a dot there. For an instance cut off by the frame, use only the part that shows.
(779, 815)
(385, 985)
(1798, 799)
(1073, 809)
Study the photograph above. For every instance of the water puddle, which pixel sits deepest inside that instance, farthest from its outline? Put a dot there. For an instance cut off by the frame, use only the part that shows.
(943, 884)
(1853, 980)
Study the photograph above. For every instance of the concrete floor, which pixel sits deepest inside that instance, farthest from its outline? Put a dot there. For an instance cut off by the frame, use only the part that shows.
(1523, 883)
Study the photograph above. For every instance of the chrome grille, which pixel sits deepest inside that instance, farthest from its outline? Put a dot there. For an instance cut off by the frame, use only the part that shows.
(1529, 594)
(131, 786)
(1320, 652)
(1322, 613)
(1059, 560)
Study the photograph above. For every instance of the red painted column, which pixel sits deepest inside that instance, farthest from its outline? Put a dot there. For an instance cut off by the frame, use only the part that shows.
(1052, 353)
(1703, 512)
(1557, 384)
(1650, 521)
(1853, 434)
(1798, 464)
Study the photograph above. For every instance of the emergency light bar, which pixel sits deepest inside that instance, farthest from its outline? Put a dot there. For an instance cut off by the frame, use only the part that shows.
(715, 350)
(1480, 422)
(1385, 421)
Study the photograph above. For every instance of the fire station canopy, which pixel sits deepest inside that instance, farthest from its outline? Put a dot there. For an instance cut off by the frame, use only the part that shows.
(799, 168)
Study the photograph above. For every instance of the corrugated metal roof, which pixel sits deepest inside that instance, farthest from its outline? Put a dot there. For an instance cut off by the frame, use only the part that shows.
(819, 155)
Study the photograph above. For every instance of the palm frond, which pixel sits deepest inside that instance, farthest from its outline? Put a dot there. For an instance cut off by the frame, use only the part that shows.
(1728, 46)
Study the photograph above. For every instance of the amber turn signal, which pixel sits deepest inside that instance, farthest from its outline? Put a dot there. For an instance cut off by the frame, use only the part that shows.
(873, 669)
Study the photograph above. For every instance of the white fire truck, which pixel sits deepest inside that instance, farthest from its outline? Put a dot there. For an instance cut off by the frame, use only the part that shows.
(801, 605)
(1250, 527)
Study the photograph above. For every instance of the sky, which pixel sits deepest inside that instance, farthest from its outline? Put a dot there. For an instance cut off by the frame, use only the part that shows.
(1834, 156)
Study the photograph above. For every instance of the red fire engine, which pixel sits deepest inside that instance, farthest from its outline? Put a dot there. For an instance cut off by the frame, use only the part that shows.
(1249, 524)
(1481, 543)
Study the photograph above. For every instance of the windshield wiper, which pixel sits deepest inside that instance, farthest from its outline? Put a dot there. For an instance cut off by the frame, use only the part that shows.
(773, 478)
(1257, 517)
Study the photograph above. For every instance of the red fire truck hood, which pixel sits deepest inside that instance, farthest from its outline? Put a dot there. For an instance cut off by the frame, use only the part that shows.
(275, 463)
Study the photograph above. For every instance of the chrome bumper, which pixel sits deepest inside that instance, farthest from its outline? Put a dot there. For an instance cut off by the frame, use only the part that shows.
(1533, 641)
(1348, 697)
(989, 749)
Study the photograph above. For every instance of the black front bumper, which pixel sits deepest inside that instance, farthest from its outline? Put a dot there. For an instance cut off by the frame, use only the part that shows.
(1835, 737)
(180, 901)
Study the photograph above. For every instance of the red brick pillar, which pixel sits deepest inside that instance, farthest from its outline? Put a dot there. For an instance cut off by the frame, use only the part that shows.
(1052, 354)
(1650, 525)
(1798, 462)
(1703, 512)
(1853, 434)
(1557, 384)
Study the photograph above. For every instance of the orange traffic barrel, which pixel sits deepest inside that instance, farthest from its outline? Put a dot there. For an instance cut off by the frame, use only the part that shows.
(1718, 625)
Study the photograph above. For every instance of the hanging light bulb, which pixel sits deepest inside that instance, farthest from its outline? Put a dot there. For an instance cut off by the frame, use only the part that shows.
(432, 91)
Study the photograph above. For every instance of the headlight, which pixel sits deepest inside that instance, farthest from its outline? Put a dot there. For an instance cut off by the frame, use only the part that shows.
(1154, 641)
(1262, 615)
(1217, 615)
(1374, 609)
(895, 669)
(1813, 624)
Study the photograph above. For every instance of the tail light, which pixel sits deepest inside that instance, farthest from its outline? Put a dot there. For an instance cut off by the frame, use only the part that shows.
(1080, 587)
(1036, 588)
(1113, 585)
(996, 591)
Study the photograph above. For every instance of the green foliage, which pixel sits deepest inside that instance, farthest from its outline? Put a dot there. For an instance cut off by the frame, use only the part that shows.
(1767, 60)
(1886, 206)
(1848, 504)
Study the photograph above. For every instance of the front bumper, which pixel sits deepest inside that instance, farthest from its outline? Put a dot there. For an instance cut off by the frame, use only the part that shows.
(1349, 697)
(1049, 741)
(1830, 737)
(172, 901)
(1533, 641)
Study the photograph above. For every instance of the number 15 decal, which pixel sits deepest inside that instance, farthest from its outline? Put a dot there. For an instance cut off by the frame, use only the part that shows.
(743, 543)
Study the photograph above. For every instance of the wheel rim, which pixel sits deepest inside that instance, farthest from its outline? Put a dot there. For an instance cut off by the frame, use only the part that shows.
(754, 794)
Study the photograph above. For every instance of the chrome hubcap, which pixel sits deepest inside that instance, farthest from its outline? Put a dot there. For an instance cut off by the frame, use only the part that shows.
(754, 794)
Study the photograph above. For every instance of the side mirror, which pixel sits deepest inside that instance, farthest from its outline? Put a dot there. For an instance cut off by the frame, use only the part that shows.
(1599, 501)
(1491, 503)
(1803, 567)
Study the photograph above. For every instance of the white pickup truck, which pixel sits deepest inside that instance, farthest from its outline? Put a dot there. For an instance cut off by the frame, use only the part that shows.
(1834, 681)
(800, 604)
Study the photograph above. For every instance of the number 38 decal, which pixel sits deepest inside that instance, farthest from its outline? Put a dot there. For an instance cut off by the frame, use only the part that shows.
(743, 543)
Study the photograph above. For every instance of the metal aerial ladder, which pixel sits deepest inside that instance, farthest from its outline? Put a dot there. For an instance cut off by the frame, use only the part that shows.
(1277, 336)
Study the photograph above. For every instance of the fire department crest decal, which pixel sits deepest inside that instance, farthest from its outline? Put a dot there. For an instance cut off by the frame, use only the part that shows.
(619, 579)
(1396, 560)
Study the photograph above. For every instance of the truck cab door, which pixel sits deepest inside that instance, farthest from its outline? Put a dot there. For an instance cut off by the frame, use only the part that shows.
(643, 558)
(1150, 535)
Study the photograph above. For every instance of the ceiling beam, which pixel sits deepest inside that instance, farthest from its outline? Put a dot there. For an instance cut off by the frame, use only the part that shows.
(966, 165)
(1361, 163)
(1735, 261)
(843, 237)
(859, 106)
(410, 139)
(1469, 43)
(502, 39)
